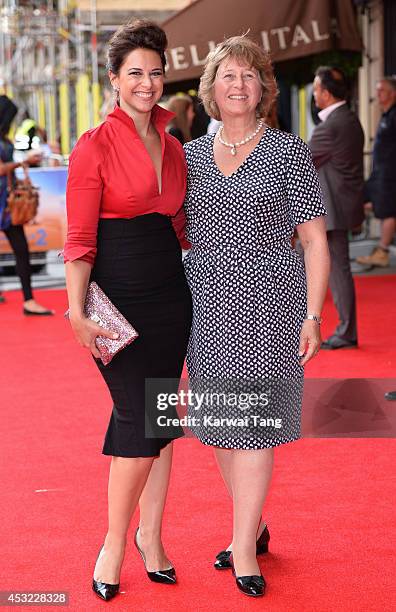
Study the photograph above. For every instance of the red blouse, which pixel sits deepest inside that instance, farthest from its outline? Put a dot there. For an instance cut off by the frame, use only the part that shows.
(111, 175)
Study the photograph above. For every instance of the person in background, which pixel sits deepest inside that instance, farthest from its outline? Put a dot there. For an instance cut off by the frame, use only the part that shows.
(28, 130)
(15, 233)
(381, 186)
(180, 125)
(272, 116)
(201, 119)
(107, 103)
(51, 153)
(337, 151)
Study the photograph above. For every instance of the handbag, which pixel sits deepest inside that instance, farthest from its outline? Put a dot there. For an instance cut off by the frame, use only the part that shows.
(99, 308)
(23, 199)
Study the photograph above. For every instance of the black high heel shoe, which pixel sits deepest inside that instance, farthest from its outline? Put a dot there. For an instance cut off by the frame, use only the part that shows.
(164, 576)
(223, 557)
(102, 589)
(254, 586)
(251, 585)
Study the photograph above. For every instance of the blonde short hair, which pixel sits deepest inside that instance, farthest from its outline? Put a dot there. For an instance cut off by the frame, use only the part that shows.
(245, 50)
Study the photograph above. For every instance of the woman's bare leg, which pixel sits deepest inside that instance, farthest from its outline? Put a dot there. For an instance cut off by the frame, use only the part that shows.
(152, 504)
(251, 472)
(126, 482)
(224, 460)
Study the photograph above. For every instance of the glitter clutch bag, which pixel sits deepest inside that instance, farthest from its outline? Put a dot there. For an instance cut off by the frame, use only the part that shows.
(102, 311)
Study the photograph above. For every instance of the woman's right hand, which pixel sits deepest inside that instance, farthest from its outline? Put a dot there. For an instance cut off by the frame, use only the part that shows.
(86, 332)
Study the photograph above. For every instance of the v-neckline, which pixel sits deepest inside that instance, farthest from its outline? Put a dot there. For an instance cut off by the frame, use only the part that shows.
(226, 176)
(159, 181)
(159, 118)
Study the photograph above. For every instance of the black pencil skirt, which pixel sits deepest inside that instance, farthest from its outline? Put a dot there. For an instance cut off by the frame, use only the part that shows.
(139, 267)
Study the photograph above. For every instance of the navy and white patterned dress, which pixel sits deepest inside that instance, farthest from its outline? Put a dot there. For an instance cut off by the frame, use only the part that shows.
(248, 286)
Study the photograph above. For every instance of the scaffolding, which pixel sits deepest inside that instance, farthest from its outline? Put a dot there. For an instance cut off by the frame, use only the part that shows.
(52, 58)
(49, 65)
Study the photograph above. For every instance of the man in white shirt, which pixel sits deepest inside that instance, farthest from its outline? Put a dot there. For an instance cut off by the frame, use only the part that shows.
(337, 151)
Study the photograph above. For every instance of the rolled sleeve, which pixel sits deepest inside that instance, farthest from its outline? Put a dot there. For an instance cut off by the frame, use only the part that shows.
(83, 199)
(179, 225)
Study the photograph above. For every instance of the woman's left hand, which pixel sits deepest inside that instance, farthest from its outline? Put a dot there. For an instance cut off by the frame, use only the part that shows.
(310, 341)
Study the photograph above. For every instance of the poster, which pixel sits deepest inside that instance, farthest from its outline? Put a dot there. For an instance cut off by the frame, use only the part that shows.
(48, 230)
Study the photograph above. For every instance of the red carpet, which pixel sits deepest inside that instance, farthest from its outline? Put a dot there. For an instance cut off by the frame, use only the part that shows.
(330, 508)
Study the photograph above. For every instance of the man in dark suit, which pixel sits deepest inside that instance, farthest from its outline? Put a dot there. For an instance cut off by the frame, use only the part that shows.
(337, 151)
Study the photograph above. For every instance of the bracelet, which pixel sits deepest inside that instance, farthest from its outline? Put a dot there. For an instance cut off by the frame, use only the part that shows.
(312, 317)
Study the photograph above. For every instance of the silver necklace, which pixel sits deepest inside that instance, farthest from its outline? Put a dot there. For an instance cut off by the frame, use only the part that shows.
(233, 146)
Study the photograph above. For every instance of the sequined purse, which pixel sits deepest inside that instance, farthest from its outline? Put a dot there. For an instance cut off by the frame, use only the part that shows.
(102, 311)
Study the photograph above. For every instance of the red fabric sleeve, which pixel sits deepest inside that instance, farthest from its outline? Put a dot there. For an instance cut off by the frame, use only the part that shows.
(83, 198)
(179, 225)
(179, 219)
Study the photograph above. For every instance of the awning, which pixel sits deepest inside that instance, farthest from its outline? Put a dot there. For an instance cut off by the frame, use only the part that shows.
(287, 28)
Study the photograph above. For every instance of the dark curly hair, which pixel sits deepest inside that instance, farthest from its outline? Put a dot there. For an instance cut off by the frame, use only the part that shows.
(136, 34)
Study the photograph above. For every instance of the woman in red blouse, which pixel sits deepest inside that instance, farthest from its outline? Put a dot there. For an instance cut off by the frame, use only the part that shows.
(125, 191)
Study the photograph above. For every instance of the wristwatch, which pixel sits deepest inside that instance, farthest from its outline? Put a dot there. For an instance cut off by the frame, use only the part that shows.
(312, 317)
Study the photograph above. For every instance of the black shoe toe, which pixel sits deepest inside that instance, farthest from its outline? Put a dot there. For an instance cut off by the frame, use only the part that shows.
(105, 591)
(163, 576)
(251, 585)
(223, 560)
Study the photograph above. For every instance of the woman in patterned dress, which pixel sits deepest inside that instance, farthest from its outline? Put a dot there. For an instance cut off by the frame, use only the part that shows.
(256, 309)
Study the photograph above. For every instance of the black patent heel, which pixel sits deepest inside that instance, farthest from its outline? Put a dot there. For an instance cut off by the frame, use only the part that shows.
(104, 590)
(254, 586)
(163, 576)
(262, 542)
